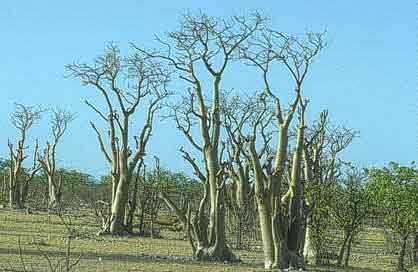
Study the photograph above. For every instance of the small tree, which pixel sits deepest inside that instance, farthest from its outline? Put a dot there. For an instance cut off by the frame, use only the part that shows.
(322, 169)
(126, 84)
(395, 192)
(352, 204)
(59, 124)
(23, 118)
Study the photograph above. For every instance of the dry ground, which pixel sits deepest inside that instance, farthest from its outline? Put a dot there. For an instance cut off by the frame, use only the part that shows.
(40, 235)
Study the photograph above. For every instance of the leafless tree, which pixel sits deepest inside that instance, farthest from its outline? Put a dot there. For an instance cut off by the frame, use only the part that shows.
(202, 42)
(60, 120)
(280, 213)
(23, 118)
(125, 84)
(240, 116)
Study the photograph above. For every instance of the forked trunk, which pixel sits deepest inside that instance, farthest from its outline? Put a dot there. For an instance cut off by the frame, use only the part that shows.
(348, 252)
(211, 239)
(343, 248)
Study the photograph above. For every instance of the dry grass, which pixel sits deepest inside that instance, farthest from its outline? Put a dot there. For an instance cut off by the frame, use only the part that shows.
(37, 231)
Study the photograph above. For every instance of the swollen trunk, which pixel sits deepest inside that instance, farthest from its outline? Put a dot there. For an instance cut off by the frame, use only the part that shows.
(266, 233)
(118, 206)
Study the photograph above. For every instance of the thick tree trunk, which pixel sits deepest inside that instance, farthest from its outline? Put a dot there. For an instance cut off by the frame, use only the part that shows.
(264, 213)
(241, 194)
(117, 226)
(309, 251)
(24, 193)
(132, 206)
(214, 246)
(18, 197)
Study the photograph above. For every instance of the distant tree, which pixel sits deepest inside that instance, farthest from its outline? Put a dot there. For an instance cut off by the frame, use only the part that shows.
(125, 83)
(23, 118)
(395, 193)
(60, 120)
(4, 178)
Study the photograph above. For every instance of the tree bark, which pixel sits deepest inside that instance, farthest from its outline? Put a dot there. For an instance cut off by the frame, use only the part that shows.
(343, 248)
(53, 193)
(117, 226)
(348, 253)
(401, 258)
(309, 251)
(264, 213)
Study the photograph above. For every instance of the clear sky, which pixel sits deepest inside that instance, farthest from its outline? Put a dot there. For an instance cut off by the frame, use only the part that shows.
(366, 77)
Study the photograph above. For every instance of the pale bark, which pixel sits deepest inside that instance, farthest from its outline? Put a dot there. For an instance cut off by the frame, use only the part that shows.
(59, 123)
(213, 44)
(147, 80)
(23, 119)
(286, 212)
(309, 252)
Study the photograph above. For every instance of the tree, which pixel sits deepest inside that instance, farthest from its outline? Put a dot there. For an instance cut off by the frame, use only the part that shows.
(239, 116)
(125, 83)
(352, 204)
(395, 192)
(23, 118)
(322, 169)
(279, 213)
(59, 123)
(4, 178)
(209, 44)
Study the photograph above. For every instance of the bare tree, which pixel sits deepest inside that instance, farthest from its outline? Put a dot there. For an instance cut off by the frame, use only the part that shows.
(279, 217)
(22, 119)
(60, 120)
(240, 116)
(209, 44)
(125, 83)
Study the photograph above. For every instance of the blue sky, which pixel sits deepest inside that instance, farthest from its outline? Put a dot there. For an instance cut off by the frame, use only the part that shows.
(366, 77)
